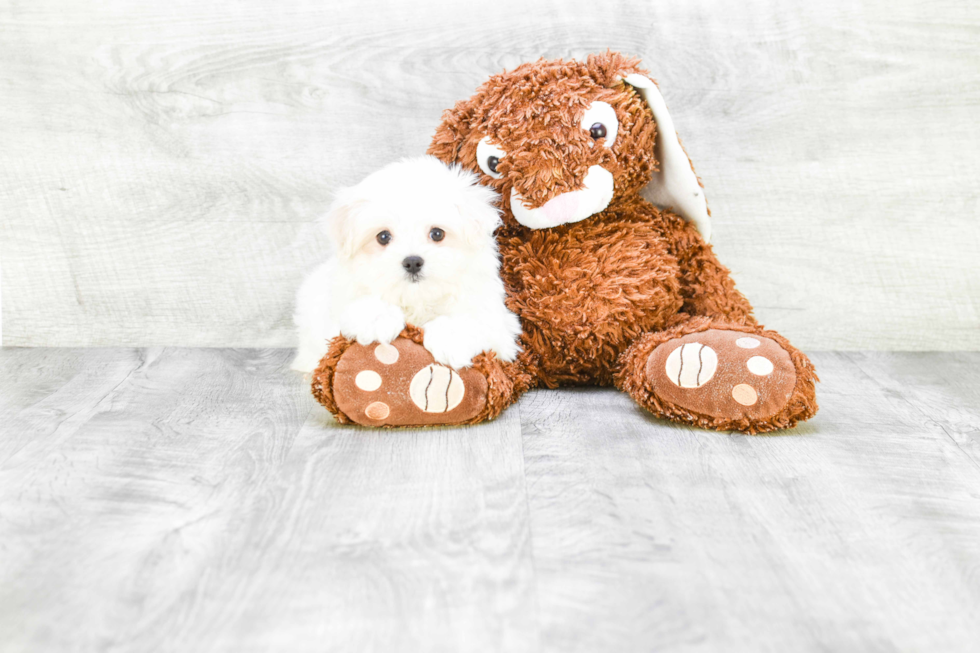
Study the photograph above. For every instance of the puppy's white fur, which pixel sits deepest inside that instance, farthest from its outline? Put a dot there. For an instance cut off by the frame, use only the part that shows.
(363, 291)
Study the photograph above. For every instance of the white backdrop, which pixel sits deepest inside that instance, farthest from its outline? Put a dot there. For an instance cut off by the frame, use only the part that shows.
(162, 161)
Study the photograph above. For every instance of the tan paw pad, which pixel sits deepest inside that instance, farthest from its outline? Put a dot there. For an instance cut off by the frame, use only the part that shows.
(436, 389)
(368, 380)
(401, 385)
(387, 354)
(721, 373)
(377, 410)
(744, 394)
(759, 365)
(691, 365)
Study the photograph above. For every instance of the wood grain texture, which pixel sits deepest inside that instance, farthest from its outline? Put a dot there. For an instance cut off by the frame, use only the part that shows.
(198, 500)
(163, 162)
(194, 500)
(856, 531)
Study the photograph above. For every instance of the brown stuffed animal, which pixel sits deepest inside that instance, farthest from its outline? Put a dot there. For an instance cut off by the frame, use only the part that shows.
(610, 289)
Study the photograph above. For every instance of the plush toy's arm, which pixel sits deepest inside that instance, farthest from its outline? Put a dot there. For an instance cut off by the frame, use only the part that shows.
(706, 284)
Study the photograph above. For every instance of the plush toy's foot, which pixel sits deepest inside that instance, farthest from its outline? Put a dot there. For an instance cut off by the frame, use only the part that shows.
(401, 385)
(721, 376)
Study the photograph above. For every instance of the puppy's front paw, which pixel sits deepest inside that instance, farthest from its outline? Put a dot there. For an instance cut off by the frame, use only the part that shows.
(451, 341)
(370, 320)
(507, 350)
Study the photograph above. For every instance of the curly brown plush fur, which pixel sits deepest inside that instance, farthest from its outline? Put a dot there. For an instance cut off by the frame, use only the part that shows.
(598, 297)
(595, 297)
(631, 379)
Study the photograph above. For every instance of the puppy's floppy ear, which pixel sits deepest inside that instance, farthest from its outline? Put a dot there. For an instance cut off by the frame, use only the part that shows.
(675, 186)
(340, 219)
(477, 206)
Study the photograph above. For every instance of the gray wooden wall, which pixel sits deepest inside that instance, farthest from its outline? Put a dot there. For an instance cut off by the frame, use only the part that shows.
(162, 161)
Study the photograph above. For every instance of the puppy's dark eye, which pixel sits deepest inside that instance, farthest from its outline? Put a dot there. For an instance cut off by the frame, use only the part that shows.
(492, 162)
(384, 237)
(597, 131)
(438, 234)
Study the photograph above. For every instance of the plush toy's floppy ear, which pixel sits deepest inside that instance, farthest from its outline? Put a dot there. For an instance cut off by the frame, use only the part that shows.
(675, 185)
(452, 132)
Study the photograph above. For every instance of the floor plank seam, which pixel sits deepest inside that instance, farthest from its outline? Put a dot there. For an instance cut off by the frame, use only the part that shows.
(530, 525)
(929, 419)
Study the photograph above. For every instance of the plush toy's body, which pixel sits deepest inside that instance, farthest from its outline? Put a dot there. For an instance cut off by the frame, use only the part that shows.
(610, 289)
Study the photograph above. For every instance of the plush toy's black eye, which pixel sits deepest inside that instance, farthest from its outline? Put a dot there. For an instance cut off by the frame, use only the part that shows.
(488, 157)
(384, 237)
(437, 234)
(597, 131)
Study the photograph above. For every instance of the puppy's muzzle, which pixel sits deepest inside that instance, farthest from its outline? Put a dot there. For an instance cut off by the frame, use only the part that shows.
(413, 266)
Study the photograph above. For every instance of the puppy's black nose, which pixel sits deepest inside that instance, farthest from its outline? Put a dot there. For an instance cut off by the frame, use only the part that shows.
(413, 264)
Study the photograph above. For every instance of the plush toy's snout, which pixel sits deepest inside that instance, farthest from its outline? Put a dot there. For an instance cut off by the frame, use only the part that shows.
(555, 179)
(541, 164)
(594, 192)
(597, 129)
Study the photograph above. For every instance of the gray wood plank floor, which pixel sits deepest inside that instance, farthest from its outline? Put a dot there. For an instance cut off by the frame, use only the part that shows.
(199, 500)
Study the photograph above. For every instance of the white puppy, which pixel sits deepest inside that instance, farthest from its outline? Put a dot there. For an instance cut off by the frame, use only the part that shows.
(413, 243)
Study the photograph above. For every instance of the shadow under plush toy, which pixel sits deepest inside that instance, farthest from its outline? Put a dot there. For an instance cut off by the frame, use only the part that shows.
(610, 289)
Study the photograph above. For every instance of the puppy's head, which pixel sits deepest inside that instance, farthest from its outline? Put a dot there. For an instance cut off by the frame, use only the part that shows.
(561, 140)
(414, 226)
